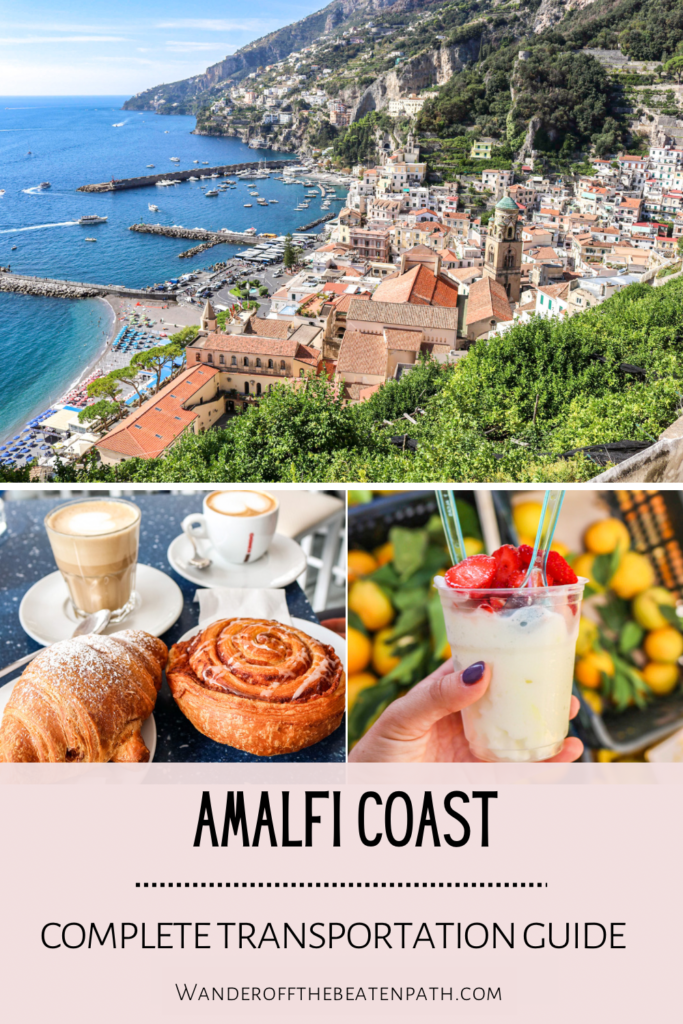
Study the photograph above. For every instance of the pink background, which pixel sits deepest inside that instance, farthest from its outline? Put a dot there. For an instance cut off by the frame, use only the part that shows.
(608, 853)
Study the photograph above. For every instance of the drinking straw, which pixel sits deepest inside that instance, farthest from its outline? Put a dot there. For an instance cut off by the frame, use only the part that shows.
(451, 525)
(550, 513)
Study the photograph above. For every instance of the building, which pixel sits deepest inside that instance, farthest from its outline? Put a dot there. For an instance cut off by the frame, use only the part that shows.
(482, 149)
(371, 243)
(503, 253)
(410, 105)
(439, 325)
(487, 306)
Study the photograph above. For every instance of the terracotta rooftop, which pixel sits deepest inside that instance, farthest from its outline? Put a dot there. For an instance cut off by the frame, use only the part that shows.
(487, 301)
(406, 341)
(152, 428)
(270, 328)
(362, 353)
(403, 314)
(246, 344)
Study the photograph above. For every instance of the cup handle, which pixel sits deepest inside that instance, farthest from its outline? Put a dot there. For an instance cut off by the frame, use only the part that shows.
(195, 520)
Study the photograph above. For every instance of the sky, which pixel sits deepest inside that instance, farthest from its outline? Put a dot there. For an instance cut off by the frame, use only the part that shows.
(120, 47)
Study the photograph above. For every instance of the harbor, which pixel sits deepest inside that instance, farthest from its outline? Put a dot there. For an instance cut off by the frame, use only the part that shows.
(119, 184)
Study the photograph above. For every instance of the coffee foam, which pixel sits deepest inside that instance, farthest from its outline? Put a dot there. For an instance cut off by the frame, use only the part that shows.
(239, 503)
(92, 518)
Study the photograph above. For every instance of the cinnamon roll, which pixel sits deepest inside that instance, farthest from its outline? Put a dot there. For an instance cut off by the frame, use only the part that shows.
(258, 685)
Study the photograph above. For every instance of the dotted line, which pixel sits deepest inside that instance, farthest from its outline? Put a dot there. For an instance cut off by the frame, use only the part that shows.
(341, 885)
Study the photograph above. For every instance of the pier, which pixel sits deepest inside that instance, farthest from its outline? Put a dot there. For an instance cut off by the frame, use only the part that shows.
(118, 184)
(24, 284)
(196, 234)
(320, 220)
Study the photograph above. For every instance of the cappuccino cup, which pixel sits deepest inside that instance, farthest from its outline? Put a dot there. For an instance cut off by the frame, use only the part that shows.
(239, 524)
(95, 545)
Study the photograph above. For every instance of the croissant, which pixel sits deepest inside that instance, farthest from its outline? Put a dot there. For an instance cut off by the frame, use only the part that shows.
(258, 685)
(85, 700)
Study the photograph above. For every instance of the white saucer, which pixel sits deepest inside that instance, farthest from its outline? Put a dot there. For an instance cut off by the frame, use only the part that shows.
(47, 616)
(148, 730)
(281, 564)
(314, 629)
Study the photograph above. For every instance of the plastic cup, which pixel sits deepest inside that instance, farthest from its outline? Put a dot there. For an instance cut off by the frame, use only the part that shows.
(528, 637)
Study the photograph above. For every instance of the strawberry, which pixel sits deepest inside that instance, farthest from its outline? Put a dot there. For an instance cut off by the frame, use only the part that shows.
(507, 562)
(525, 553)
(477, 571)
(516, 578)
(560, 570)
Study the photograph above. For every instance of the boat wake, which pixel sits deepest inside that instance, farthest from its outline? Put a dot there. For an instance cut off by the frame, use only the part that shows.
(38, 227)
(33, 191)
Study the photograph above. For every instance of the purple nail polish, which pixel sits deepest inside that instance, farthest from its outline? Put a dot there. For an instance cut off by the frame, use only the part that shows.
(473, 673)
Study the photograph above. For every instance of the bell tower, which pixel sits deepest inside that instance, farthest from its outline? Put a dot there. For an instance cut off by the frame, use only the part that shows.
(207, 322)
(503, 253)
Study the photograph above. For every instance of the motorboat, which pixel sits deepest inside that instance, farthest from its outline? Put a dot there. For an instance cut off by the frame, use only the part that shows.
(91, 239)
(175, 159)
(212, 192)
(119, 125)
(92, 218)
(248, 206)
(150, 165)
(45, 184)
(152, 207)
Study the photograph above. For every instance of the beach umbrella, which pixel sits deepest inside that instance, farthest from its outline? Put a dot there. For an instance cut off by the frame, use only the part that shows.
(17, 437)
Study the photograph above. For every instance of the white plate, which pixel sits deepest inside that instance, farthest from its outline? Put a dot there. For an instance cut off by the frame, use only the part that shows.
(47, 616)
(148, 731)
(314, 629)
(281, 564)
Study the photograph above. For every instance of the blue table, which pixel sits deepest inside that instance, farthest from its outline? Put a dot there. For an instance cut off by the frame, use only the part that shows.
(25, 557)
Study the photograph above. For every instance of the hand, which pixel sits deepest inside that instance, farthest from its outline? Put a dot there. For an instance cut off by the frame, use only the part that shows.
(426, 724)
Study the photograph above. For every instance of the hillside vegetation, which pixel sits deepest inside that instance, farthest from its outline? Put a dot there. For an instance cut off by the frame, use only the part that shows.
(478, 422)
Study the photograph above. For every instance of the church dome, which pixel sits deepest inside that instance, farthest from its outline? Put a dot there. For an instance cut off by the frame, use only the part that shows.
(507, 204)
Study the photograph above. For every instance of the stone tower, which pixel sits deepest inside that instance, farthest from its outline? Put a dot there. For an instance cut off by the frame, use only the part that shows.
(503, 254)
(208, 319)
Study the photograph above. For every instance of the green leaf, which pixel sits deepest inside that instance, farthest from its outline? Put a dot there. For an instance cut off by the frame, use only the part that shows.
(669, 614)
(410, 597)
(355, 622)
(410, 548)
(630, 637)
(409, 620)
(411, 667)
(615, 612)
(436, 623)
(602, 569)
(386, 575)
(435, 559)
(369, 705)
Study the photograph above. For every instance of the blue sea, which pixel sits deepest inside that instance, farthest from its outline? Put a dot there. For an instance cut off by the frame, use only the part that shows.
(69, 141)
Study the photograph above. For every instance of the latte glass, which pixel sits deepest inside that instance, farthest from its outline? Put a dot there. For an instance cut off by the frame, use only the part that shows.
(95, 545)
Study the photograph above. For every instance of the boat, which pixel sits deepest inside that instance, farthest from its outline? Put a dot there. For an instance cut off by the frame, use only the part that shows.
(249, 231)
(192, 178)
(175, 159)
(150, 165)
(212, 192)
(247, 206)
(195, 161)
(205, 161)
(273, 200)
(13, 248)
(91, 239)
(91, 218)
(151, 206)
(119, 125)
(45, 184)
(2, 191)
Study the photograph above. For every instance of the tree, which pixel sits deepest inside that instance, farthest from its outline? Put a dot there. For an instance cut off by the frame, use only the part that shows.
(185, 336)
(291, 253)
(102, 414)
(675, 67)
(156, 359)
(127, 375)
(104, 387)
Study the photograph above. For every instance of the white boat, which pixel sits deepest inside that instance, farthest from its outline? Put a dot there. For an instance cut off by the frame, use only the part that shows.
(248, 206)
(195, 161)
(175, 159)
(2, 191)
(94, 239)
(91, 218)
(249, 231)
(119, 125)
(212, 192)
(151, 206)
(150, 165)
(192, 178)
(273, 200)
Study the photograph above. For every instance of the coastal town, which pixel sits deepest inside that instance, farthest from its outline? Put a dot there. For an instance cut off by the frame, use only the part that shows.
(409, 268)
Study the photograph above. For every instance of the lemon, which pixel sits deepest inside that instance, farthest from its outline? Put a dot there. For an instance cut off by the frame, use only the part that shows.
(473, 546)
(371, 604)
(589, 669)
(526, 517)
(561, 548)
(360, 563)
(383, 658)
(634, 575)
(355, 684)
(359, 650)
(660, 678)
(583, 566)
(593, 700)
(384, 553)
(588, 634)
(664, 645)
(603, 537)
(645, 607)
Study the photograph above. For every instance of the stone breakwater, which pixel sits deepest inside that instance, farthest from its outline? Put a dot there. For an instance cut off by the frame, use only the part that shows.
(314, 223)
(117, 184)
(196, 234)
(23, 284)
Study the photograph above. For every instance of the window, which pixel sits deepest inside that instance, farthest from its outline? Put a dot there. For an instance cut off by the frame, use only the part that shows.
(258, 389)
(258, 362)
(233, 361)
(209, 358)
(301, 372)
(221, 359)
(246, 387)
(199, 357)
(270, 364)
(282, 364)
(246, 361)
(490, 255)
